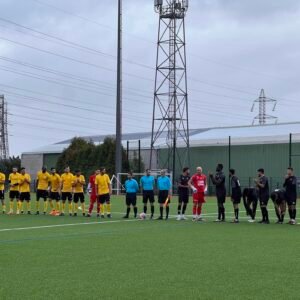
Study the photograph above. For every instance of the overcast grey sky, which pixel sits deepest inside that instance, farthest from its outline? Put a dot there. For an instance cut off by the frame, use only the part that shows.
(234, 48)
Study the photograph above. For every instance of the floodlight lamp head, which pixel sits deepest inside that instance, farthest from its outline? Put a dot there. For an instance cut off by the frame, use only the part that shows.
(158, 5)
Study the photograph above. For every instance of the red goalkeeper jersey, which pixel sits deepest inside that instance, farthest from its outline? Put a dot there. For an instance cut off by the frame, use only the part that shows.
(199, 182)
(92, 185)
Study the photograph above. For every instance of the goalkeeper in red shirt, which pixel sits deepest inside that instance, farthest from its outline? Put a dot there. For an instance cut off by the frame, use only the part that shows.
(198, 184)
(93, 196)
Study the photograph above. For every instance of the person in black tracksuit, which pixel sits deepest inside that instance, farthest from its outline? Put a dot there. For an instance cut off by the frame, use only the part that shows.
(236, 194)
(262, 185)
(250, 202)
(219, 181)
(290, 185)
(278, 198)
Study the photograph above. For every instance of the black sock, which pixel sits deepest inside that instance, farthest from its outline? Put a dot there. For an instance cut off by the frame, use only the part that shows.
(135, 211)
(184, 208)
(254, 206)
(282, 218)
(161, 210)
(263, 213)
(250, 213)
(179, 209)
(291, 213)
(294, 213)
(267, 214)
(223, 213)
(152, 210)
(128, 211)
(278, 214)
(219, 213)
(236, 213)
(167, 211)
(145, 209)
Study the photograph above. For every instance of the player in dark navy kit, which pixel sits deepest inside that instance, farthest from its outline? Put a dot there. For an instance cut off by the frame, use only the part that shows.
(290, 185)
(236, 194)
(250, 202)
(262, 185)
(183, 193)
(219, 181)
(278, 198)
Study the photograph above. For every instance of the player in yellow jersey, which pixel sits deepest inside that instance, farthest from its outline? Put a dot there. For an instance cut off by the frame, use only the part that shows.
(66, 188)
(2, 190)
(103, 192)
(42, 183)
(78, 185)
(14, 180)
(54, 187)
(24, 186)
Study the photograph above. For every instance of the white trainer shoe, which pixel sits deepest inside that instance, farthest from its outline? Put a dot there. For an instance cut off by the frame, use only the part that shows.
(178, 218)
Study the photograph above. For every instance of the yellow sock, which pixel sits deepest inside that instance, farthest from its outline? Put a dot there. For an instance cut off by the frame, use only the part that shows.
(108, 208)
(83, 207)
(57, 206)
(51, 204)
(37, 205)
(75, 207)
(28, 206)
(70, 208)
(45, 206)
(21, 206)
(11, 206)
(3, 207)
(102, 209)
(63, 205)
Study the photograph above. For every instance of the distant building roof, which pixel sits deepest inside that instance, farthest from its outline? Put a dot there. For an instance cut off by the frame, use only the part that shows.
(254, 134)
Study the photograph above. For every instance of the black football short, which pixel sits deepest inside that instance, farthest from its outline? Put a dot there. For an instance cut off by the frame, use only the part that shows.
(66, 196)
(291, 201)
(131, 199)
(236, 200)
(78, 197)
(1, 195)
(163, 196)
(25, 196)
(14, 194)
(183, 198)
(54, 196)
(221, 198)
(264, 200)
(105, 198)
(148, 196)
(42, 194)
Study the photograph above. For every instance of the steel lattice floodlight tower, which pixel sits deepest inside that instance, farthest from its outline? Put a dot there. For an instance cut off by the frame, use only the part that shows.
(4, 151)
(170, 108)
(262, 116)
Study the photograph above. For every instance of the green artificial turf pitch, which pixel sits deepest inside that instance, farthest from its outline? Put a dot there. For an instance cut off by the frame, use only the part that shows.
(85, 258)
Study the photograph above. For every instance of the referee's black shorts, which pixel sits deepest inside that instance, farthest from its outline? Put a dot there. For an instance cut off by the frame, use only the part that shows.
(148, 196)
(131, 199)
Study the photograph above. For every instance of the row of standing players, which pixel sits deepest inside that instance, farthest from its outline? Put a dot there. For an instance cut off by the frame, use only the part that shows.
(282, 198)
(69, 187)
(57, 191)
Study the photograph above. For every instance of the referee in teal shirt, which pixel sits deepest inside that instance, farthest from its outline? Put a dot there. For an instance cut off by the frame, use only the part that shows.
(164, 193)
(131, 187)
(147, 184)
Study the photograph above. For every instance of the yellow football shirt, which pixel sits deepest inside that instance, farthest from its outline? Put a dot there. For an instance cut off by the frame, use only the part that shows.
(43, 179)
(55, 181)
(78, 183)
(14, 179)
(2, 178)
(67, 181)
(24, 185)
(103, 182)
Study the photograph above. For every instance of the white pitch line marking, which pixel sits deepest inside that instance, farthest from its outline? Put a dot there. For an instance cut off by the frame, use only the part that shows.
(65, 225)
